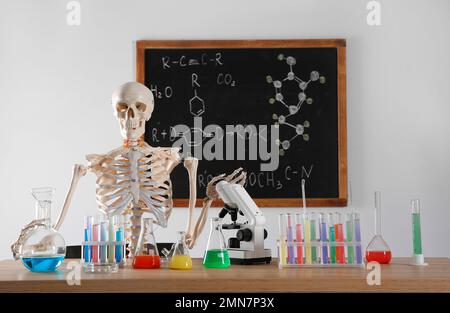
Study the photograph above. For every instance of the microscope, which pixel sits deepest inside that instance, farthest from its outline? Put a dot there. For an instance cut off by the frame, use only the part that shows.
(248, 245)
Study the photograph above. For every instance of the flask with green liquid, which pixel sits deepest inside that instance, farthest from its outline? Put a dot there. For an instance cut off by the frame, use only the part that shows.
(216, 254)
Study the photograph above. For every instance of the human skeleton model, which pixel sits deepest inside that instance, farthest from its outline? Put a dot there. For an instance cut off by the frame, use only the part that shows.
(135, 178)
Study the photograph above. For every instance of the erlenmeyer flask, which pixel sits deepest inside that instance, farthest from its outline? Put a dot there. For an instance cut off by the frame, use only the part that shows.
(146, 255)
(181, 259)
(216, 254)
(43, 249)
(378, 250)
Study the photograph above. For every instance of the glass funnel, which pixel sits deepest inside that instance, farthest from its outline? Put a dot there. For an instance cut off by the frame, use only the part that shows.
(216, 254)
(378, 250)
(42, 249)
(146, 255)
(180, 258)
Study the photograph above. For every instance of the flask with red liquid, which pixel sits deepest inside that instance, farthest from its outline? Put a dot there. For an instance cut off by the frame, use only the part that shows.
(378, 250)
(146, 255)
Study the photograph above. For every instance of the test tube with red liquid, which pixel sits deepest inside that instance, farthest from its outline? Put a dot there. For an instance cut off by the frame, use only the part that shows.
(339, 233)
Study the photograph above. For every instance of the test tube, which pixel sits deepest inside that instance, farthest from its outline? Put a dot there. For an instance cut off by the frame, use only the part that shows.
(95, 238)
(299, 238)
(118, 226)
(323, 237)
(111, 237)
(349, 229)
(313, 238)
(339, 233)
(87, 238)
(103, 239)
(290, 239)
(357, 233)
(332, 239)
(282, 239)
(307, 234)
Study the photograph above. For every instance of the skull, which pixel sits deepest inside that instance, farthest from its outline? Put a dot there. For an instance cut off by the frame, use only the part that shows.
(133, 105)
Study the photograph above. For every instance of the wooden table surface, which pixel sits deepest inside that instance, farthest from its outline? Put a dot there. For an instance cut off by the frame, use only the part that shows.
(395, 277)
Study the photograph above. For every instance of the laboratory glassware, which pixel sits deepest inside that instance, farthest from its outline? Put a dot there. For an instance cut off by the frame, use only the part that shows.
(323, 238)
(299, 238)
(290, 238)
(216, 254)
(417, 258)
(146, 255)
(43, 248)
(103, 245)
(378, 250)
(180, 258)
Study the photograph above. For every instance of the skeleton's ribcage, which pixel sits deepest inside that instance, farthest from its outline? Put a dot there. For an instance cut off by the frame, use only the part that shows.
(132, 180)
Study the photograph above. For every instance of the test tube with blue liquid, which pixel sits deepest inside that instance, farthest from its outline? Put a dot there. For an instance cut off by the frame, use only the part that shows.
(323, 237)
(87, 237)
(313, 230)
(357, 233)
(119, 227)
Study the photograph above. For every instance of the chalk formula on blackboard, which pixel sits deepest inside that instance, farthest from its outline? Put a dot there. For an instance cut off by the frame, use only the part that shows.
(272, 111)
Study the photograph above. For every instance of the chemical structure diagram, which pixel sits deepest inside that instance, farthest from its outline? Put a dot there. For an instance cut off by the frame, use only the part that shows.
(196, 105)
(293, 109)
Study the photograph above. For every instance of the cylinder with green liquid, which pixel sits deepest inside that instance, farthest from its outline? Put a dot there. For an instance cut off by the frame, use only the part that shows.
(416, 231)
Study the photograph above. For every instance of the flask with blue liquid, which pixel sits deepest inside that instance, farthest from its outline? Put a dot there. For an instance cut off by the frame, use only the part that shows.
(42, 249)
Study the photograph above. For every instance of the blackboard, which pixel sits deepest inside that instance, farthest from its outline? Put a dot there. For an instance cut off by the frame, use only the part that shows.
(231, 95)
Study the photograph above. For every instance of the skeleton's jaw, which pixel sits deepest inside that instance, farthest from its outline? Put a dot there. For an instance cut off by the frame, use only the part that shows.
(132, 130)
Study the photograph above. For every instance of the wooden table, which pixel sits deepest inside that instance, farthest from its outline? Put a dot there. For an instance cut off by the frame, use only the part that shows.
(396, 277)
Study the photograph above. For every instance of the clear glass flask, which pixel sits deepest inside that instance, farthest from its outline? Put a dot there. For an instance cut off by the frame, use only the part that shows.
(216, 254)
(180, 258)
(43, 249)
(378, 250)
(146, 255)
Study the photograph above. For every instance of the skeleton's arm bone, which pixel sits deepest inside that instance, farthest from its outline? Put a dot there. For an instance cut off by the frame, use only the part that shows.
(191, 165)
(77, 172)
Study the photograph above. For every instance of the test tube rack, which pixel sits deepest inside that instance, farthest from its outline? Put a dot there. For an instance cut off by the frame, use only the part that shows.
(103, 248)
(96, 262)
(319, 242)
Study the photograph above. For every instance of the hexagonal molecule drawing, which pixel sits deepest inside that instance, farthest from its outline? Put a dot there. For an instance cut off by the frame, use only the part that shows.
(196, 105)
(292, 108)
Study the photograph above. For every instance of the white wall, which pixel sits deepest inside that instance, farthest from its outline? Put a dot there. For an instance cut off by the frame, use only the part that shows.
(56, 81)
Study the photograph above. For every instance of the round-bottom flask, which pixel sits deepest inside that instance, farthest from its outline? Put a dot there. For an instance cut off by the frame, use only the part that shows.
(42, 249)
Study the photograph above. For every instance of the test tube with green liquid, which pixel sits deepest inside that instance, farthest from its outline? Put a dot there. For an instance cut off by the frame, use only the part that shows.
(332, 235)
(417, 236)
(418, 258)
(349, 229)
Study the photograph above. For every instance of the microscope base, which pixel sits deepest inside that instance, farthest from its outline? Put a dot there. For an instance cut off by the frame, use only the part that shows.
(246, 257)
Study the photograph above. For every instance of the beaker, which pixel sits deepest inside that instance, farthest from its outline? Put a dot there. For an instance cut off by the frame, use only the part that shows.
(146, 255)
(43, 249)
(180, 258)
(216, 254)
(378, 250)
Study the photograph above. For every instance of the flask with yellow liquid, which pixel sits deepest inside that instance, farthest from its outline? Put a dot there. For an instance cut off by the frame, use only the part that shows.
(180, 259)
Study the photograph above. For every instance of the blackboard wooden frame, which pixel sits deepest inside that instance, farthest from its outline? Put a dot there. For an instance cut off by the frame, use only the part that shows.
(339, 44)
